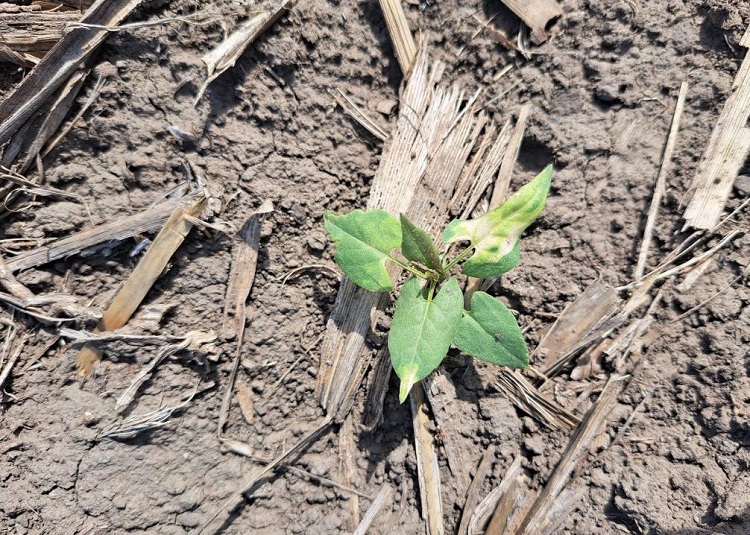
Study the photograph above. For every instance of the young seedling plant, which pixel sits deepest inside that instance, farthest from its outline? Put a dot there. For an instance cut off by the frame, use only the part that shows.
(429, 317)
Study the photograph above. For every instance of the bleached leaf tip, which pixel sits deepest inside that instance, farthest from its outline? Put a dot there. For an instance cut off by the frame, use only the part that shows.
(408, 380)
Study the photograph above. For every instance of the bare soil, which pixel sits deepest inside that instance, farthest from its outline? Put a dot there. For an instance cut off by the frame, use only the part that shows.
(603, 89)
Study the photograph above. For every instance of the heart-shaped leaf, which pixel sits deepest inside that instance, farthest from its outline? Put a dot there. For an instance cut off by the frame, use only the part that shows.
(418, 246)
(422, 330)
(364, 241)
(494, 235)
(489, 332)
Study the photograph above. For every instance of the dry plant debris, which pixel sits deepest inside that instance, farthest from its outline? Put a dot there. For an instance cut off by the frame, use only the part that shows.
(27, 33)
(427, 464)
(726, 152)
(142, 278)
(55, 69)
(403, 42)
(117, 230)
(223, 57)
(536, 14)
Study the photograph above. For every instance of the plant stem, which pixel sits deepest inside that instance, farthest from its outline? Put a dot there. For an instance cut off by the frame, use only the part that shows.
(459, 258)
(431, 291)
(408, 268)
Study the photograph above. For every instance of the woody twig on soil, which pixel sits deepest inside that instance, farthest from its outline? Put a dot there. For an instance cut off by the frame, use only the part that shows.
(660, 186)
(726, 152)
(145, 274)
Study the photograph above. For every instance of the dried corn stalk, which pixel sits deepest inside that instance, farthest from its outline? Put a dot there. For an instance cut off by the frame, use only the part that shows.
(726, 152)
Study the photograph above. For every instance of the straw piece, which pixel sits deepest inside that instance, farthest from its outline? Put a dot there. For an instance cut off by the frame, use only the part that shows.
(590, 310)
(348, 466)
(244, 449)
(358, 115)
(403, 43)
(28, 32)
(245, 401)
(223, 57)
(591, 426)
(142, 278)
(377, 388)
(192, 339)
(5, 373)
(242, 274)
(510, 156)
(372, 512)
(59, 64)
(472, 495)
(118, 229)
(239, 496)
(135, 424)
(527, 398)
(427, 464)
(536, 14)
(441, 395)
(661, 179)
(10, 283)
(499, 503)
(25, 148)
(726, 152)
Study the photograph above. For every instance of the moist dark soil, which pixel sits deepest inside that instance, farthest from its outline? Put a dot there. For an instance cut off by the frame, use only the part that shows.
(603, 89)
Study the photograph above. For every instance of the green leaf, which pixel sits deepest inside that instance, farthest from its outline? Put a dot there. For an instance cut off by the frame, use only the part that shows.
(364, 240)
(489, 332)
(505, 264)
(494, 235)
(418, 246)
(422, 330)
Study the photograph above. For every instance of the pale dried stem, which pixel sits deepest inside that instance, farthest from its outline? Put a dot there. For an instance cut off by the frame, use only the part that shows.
(145, 274)
(661, 180)
(403, 42)
(427, 464)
